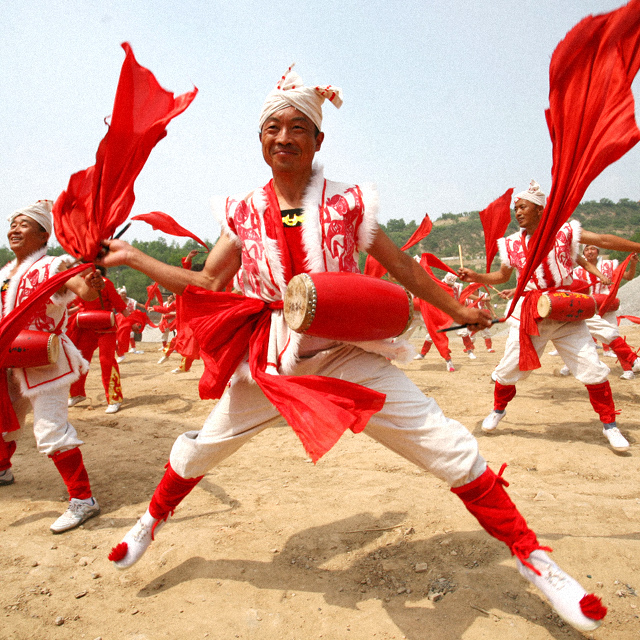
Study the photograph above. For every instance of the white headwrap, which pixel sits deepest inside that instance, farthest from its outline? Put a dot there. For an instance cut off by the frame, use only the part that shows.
(40, 212)
(450, 278)
(290, 92)
(532, 194)
(122, 290)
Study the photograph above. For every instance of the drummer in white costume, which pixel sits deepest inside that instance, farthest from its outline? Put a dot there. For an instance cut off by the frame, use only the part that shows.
(45, 390)
(336, 220)
(572, 339)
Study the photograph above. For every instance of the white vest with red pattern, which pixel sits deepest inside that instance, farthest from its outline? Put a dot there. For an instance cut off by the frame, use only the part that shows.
(606, 268)
(34, 271)
(339, 221)
(556, 270)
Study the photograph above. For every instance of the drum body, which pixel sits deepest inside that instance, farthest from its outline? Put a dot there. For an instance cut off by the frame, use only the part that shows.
(566, 306)
(614, 305)
(98, 320)
(349, 307)
(33, 349)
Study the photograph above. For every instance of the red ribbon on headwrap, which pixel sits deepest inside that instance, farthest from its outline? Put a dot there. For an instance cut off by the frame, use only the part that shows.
(318, 408)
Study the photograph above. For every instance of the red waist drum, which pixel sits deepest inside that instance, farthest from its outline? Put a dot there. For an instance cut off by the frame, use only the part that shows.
(98, 320)
(33, 349)
(566, 306)
(614, 305)
(346, 306)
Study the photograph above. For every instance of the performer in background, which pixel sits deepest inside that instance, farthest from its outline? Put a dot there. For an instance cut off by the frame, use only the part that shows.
(331, 223)
(88, 340)
(125, 332)
(571, 339)
(167, 326)
(604, 327)
(45, 389)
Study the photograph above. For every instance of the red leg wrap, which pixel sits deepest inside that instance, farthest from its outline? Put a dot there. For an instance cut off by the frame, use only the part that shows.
(486, 499)
(488, 343)
(625, 353)
(503, 394)
(71, 467)
(468, 343)
(426, 346)
(602, 401)
(170, 493)
(5, 463)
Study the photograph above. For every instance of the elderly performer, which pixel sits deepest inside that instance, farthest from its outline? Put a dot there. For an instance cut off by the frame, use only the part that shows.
(301, 222)
(46, 389)
(571, 339)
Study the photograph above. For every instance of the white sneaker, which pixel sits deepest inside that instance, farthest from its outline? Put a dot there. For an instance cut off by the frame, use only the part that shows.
(178, 370)
(72, 402)
(491, 350)
(609, 354)
(113, 408)
(617, 441)
(491, 421)
(628, 375)
(565, 371)
(472, 356)
(136, 542)
(636, 366)
(164, 359)
(554, 353)
(450, 367)
(6, 478)
(561, 590)
(416, 357)
(136, 351)
(77, 512)
(120, 359)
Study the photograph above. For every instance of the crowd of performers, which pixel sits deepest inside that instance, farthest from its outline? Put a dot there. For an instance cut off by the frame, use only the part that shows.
(301, 222)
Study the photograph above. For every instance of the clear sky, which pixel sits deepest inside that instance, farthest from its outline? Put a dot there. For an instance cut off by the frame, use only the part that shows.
(443, 101)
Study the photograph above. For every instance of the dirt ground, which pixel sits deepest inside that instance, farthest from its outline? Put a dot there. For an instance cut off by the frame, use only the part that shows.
(361, 546)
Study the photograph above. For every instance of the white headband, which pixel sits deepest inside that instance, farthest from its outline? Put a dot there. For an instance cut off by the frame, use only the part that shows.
(40, 212)
(290, 92)
(532, 194)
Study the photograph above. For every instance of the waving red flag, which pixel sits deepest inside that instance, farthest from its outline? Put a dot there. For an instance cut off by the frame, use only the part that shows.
(100, 198)
(495, 219)
(373, 268)
(615, 284)
(591, 115)
(153, 291)
(165, 223)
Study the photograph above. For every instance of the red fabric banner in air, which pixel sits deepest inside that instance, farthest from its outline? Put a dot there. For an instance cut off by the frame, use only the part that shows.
(591, 115)
(165, 223)
(495, 219)
(373, 268)
(99, 199)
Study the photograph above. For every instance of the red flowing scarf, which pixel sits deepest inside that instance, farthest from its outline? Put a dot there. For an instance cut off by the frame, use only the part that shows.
(495, 219)
(591, 115)
(99, 199)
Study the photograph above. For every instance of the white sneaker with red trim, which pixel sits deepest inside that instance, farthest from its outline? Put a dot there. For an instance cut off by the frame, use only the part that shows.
(136, 542)
(563, 592)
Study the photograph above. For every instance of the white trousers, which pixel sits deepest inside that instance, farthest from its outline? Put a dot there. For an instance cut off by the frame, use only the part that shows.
(410, 423)
(604, 328)
(51, 426)
(573, 342)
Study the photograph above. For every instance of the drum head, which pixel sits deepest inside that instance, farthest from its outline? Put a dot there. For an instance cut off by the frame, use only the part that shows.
(53, 348)
(300, 302)
(544, 306)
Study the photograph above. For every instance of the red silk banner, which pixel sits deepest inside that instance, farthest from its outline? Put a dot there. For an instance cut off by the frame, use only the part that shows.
(165, 223)
(373, 268)
(591, 115)
(615, 283)
(99, 199)
(495, 219)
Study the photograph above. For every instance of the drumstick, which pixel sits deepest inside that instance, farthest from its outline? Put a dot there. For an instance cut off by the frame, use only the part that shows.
(460, 254)
(119, 234)
(462, 326)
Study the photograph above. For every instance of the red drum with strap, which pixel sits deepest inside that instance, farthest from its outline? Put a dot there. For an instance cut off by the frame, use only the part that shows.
(347, 306)
(614, 305)
(33, 349)
(566, 306)
(98, 320)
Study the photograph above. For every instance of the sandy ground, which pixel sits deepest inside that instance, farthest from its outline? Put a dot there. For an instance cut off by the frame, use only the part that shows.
(362, 546)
